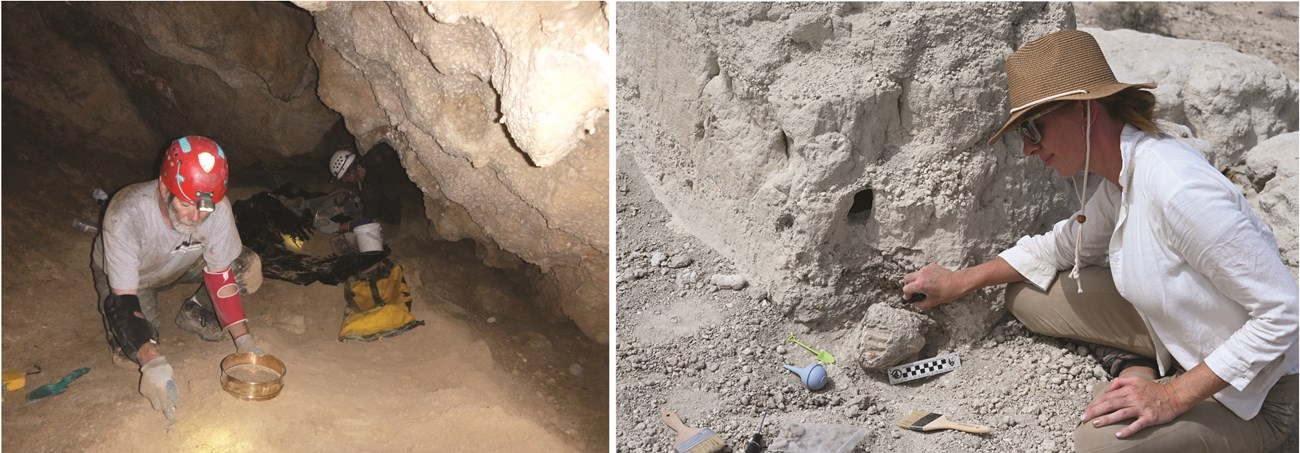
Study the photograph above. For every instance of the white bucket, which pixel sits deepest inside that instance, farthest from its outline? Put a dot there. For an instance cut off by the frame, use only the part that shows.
(370, 237)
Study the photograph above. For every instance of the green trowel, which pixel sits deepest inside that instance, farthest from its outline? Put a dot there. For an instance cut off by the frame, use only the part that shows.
(822, 355)
(48, 390)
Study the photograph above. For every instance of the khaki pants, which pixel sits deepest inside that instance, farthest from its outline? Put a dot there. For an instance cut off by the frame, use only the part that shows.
(1101, 316)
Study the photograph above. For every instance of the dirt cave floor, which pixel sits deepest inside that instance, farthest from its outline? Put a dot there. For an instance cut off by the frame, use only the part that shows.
(715, 356)
(489, 371)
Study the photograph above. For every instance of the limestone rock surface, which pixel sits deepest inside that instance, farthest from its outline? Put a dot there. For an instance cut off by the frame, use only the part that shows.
(827, 150)
(551, 80)
(1232, 100)
(499, 116)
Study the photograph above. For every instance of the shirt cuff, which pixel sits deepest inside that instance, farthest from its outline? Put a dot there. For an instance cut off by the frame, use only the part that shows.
(1038, 273)
(1228, 367)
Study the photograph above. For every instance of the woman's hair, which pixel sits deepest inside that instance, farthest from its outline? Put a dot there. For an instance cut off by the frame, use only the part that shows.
(1134, 106)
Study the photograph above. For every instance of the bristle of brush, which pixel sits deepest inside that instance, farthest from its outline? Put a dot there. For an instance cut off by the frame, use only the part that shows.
(911, 419)
(917, 420)
(705, 442)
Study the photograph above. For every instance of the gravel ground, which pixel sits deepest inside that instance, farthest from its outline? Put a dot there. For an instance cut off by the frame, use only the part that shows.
(715, 356)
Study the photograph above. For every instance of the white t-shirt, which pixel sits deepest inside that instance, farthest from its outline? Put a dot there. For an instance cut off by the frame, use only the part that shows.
(137, 250)
(1185, 248)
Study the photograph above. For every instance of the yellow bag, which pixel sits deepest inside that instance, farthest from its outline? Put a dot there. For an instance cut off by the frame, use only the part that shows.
(379, 304)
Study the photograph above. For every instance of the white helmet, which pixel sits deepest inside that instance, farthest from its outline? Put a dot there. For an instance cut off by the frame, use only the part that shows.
(340, 162)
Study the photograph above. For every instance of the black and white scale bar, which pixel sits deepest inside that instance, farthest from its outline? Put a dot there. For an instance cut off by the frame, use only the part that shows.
(924, 368)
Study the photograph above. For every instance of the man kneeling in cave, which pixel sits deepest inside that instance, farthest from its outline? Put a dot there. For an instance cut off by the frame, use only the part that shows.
(176, 229)
(378, 176)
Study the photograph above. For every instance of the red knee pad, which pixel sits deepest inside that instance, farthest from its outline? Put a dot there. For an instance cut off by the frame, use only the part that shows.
(225, 297)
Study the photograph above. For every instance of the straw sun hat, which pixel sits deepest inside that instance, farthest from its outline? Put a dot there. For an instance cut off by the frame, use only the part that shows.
(1064, 66)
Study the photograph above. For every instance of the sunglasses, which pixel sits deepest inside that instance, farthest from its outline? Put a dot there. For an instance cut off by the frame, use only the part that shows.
(1029, 129)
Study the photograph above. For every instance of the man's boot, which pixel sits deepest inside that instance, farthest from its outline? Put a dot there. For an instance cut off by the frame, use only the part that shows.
(196, 319)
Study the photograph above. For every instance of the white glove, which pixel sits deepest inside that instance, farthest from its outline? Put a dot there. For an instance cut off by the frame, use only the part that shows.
(245, 343)
(157, 385)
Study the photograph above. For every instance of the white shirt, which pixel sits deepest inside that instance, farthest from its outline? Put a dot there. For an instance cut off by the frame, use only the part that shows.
(1185, 248)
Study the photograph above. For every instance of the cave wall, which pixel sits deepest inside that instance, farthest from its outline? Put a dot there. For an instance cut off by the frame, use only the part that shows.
(500, 115)
(126, 78)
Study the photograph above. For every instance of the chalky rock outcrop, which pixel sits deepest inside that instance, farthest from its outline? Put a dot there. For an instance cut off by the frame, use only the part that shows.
(126, 78)
(500, 117)
(1232, 100)
(827, 150)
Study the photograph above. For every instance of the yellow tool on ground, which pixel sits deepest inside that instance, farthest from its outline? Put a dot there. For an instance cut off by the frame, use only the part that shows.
(16, 380)
(822, 355)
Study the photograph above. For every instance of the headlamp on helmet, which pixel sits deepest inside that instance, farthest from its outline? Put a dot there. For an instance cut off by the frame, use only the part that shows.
(195, 170)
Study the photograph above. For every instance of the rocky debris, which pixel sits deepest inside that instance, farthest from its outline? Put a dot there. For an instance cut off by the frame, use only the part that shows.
(499, 115)
(888, 336)
(680, 261)
(728, 281)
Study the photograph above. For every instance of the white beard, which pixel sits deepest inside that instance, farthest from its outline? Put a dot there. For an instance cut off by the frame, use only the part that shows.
(180, 225)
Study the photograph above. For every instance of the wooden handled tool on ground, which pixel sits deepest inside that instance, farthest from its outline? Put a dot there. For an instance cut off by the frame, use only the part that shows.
(692, 440)
(926, 421)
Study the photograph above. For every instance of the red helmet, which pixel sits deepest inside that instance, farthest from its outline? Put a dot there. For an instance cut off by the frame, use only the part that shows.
(195, 170)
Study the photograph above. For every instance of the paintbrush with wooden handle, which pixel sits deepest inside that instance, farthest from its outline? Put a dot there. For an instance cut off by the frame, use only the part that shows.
(927, 421)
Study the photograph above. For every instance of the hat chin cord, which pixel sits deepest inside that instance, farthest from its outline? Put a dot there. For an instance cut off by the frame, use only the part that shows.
(1082, 190)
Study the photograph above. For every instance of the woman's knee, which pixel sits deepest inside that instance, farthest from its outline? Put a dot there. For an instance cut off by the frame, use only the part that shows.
(1091, 439)
(1025, 303)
